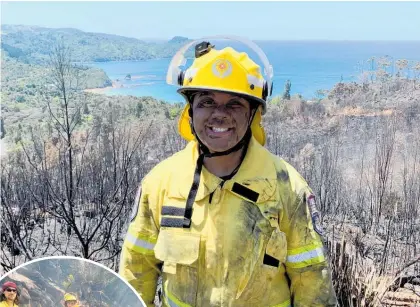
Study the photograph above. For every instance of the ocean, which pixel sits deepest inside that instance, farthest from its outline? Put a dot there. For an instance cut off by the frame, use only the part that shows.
(309, 65)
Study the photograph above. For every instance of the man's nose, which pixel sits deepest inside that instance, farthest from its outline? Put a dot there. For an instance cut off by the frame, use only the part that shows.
(221, 111)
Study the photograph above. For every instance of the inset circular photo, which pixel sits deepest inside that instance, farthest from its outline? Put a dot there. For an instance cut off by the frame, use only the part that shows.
(68, 282)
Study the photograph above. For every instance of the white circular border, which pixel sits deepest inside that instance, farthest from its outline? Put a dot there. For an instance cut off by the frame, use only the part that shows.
(80, 259)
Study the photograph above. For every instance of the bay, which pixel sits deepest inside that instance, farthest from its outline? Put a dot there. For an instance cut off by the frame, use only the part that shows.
(309, 65)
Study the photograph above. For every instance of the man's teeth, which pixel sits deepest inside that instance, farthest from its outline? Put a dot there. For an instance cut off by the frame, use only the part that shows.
(219, 129)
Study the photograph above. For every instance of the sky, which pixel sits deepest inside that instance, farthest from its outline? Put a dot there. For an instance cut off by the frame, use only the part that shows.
(254, 20)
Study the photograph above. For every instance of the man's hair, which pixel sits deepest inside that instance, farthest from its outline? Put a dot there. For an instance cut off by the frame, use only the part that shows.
(16, 301)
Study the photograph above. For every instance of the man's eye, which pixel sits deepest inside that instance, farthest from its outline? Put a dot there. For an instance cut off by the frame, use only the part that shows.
(235, 104)
(206, 103)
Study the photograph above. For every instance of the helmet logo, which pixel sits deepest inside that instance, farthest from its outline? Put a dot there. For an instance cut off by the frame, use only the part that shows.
(222, 68)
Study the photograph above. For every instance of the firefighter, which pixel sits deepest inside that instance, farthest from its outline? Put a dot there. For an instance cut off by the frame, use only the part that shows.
(70, 300)
(225, 222)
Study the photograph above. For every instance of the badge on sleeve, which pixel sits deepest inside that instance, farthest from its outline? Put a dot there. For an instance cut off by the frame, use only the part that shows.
(135, 208)
(315, 215)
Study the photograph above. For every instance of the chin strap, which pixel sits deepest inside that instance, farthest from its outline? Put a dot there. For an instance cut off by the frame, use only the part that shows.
(205, 153)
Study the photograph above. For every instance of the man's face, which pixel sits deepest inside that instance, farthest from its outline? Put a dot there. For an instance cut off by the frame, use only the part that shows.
(71, 303)
(220, 120)
(10, 294)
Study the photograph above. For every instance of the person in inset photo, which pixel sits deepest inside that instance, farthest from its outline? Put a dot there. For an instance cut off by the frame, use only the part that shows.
(66, 282)
(70, 300)
(9, 295)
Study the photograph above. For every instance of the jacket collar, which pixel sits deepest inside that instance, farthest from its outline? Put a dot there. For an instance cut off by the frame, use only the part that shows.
(257, 173)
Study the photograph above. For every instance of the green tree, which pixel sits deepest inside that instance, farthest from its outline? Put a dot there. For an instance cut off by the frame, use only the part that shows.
(401, 65)
(20, 99)
(2, 129)
(139, 109)
(286, 94)
(174, 112)
(86, 109)
(384, 63)
(371, 63)
(18, 136)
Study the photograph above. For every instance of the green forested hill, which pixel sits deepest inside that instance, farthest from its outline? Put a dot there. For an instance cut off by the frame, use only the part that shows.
(30, 44)
(21, 83)
(26, 71)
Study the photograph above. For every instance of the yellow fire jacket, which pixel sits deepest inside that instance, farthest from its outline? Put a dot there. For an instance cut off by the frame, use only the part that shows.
(6, 304)
(252, 241)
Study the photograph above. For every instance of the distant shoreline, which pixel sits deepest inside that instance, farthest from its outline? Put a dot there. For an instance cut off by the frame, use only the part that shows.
(115, 84)
(122, 61)
(103, 90)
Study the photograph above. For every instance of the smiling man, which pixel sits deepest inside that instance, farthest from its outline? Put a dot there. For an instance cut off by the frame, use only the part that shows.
(224, 221)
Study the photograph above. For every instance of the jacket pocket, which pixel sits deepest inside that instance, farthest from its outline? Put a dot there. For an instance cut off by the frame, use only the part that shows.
(265, 282)
(179, 250)
(177, 247)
